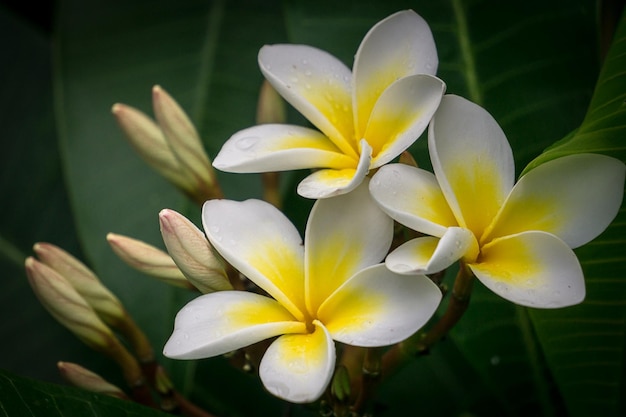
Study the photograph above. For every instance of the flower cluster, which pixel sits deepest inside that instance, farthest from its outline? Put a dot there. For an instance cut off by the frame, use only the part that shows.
(350, 282)
(516, 239)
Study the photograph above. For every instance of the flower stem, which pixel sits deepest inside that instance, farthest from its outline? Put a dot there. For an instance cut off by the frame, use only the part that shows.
(370, 376)
(422, 343)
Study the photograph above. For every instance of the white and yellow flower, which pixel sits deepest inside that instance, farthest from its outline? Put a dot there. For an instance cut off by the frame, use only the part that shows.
(330, 288)
(517, 239)
(365, 118)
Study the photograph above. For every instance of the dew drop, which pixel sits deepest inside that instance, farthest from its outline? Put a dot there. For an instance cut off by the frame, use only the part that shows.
(307, 73)
(495, 360)
(247, 142)
(401, 267)
(299, 366)
(502, 287)
(277, 388)
(186, 336)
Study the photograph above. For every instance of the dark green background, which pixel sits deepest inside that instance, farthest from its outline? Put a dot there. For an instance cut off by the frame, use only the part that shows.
(69, 177)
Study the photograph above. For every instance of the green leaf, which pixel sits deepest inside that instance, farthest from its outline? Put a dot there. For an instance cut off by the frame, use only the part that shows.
(25, 397)
(604, 127)
(35, 205)
(584, 345)
(531, 64)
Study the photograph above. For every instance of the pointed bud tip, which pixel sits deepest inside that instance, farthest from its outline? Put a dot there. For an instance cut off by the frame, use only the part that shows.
(29, 263)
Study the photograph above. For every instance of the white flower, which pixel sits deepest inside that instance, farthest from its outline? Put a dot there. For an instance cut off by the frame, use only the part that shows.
(365, 118)
(330, 288)
(516, 239)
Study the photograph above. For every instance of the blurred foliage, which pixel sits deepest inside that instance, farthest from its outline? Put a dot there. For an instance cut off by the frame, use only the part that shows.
(69, 177)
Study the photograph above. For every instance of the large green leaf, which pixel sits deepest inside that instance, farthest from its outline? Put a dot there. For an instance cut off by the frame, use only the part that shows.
(585, 345)
(25, 397)
(532, 64)
(34, 205)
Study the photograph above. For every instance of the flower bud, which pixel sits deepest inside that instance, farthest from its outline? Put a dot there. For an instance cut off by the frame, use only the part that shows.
(185, 144)
(83, 378)
(340, 386)
(192, 252)
(147, 259)
(84, 281)
(67, 306)
(271, 106)
(148, 141)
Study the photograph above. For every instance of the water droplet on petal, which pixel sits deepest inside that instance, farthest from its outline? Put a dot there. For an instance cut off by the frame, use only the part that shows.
(502, 287)
(401, 267)
(278, 389)
(247, 142)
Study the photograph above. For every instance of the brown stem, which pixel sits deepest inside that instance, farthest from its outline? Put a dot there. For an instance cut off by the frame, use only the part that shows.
(271, 193)
(421, 344)
(370, 376)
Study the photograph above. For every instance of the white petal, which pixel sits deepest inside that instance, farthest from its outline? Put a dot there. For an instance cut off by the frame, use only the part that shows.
(574, 197)
(333, 182)
(274, 147)
(401, 115)
(472, 161)
(378, 307)
(220, 322)
(344, 234)
(396, 47)
(298, 367)
(412, 197)
(261, 243)
(427, 255)
(534, 269)
(317, 84)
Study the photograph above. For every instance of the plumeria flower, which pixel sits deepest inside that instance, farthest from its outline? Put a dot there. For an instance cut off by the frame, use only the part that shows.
(365, 118)
(516, 239)
(330, 288)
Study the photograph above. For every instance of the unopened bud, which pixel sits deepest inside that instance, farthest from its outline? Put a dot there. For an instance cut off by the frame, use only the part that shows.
(147, 259)
(84, 281)
(185, 143)
(148, 141)
(340, 386)
(271, 106)
(67, 306)
(83, 378)
(192, 252)
(162, 381)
